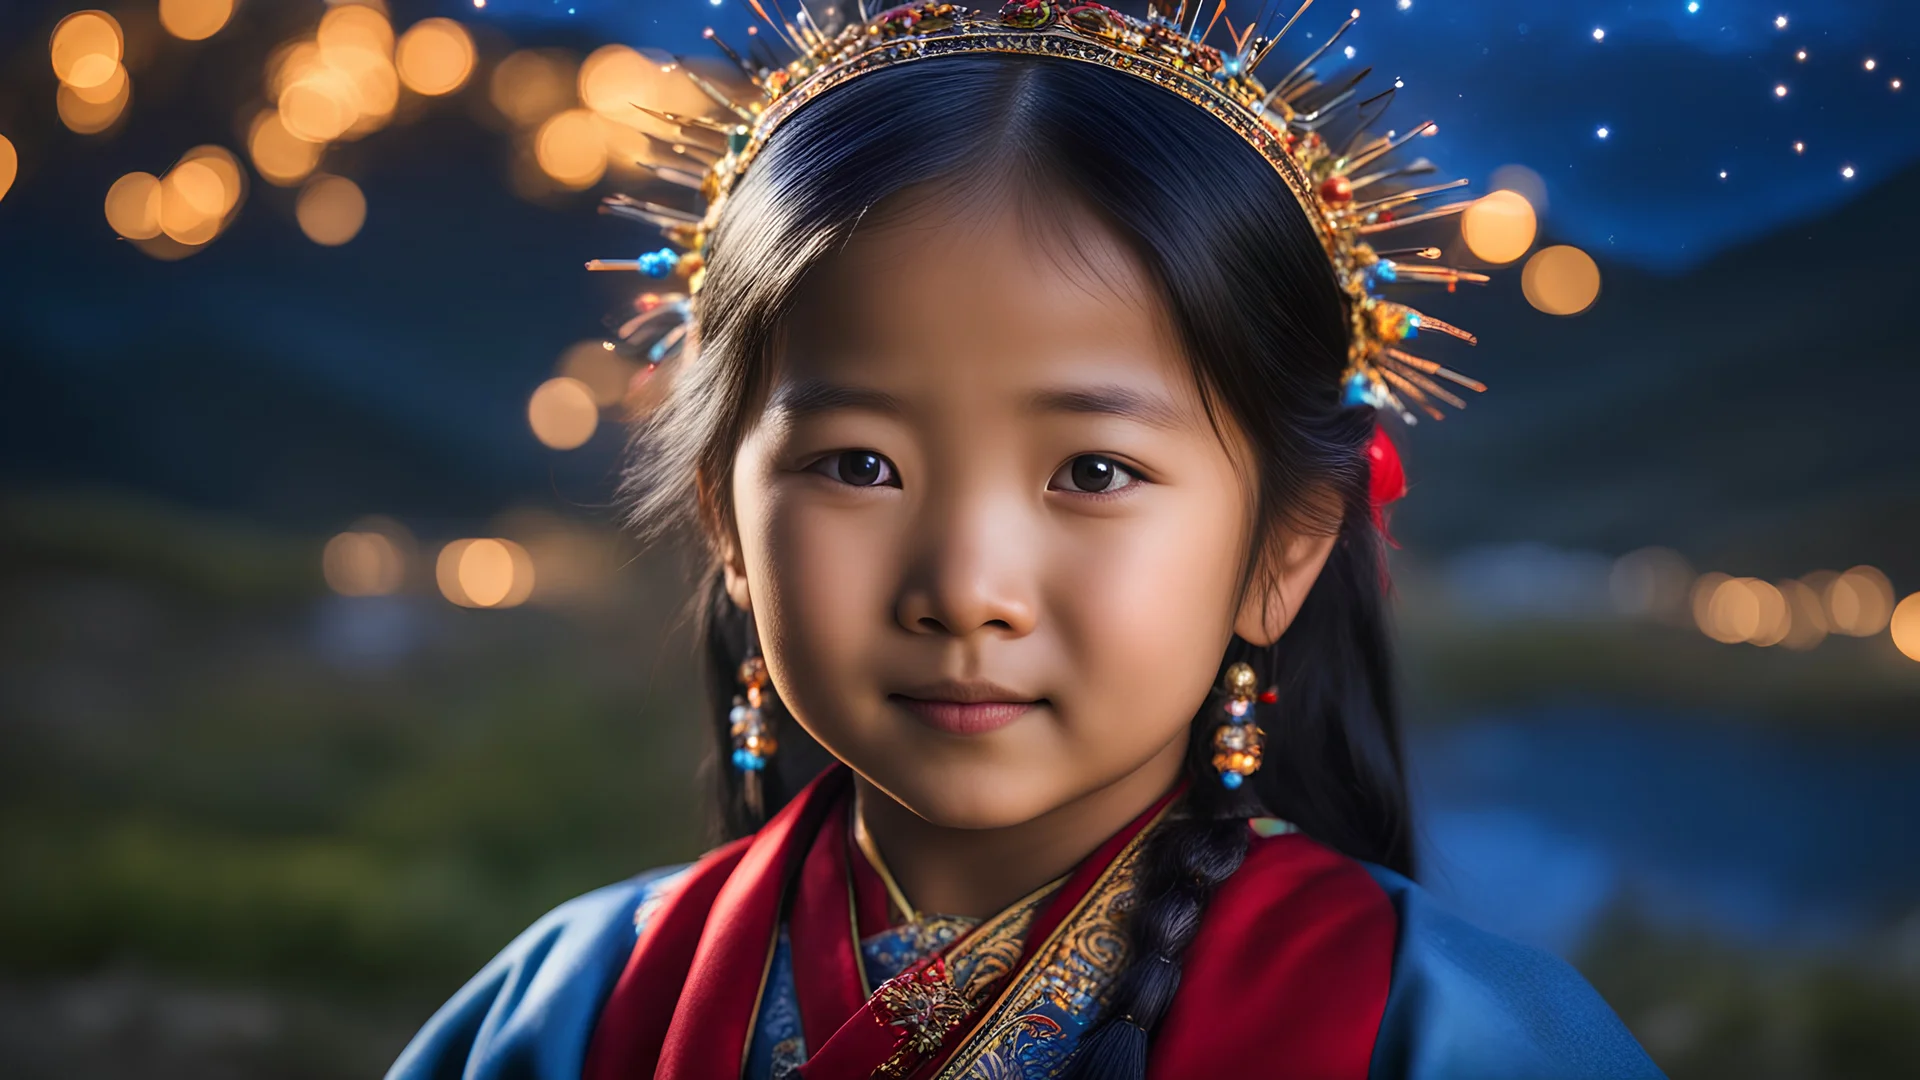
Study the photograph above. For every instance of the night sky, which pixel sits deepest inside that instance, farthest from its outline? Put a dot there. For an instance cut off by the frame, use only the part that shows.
(275, 379)
(1683, 95)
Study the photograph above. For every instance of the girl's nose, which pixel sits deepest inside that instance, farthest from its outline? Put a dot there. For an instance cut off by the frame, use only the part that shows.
(973, 572)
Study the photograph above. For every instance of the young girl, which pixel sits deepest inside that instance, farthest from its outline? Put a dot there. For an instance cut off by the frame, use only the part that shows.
(1032, 430)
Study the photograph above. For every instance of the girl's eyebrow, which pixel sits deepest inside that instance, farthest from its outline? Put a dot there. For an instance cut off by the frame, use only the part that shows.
(1125, 402)
(809, 397)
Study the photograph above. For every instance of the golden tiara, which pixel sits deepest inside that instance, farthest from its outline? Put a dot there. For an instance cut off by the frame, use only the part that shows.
(1288, 123)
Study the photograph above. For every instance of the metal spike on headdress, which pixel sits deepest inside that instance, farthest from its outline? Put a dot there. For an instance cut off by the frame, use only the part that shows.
(752, 72)
(1285, 121)
(716, 95)
(678, 177)
(1286, 81)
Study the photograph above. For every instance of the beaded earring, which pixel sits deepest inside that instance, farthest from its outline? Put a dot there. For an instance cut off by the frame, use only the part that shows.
(1238, 739)
(753, 741)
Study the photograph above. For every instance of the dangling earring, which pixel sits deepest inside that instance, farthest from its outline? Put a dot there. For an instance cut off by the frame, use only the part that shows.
(1237, 741)
(753, 741)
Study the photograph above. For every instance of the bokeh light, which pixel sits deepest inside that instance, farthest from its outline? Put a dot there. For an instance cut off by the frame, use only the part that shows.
(1776, 616)
(133, 206)
(1905, 625)
(435, 56)
(331, 210)
(192, 196)
(320, 104)
(614, 79)
(1499, 227)
(364, 563)
(1733, 610)
(278, 155)
(355, 27)
(1700, 598)
(87, 117)
(562, 413)
(484, 573)
(9, 165)
(1523, 180)
(1808, 626)
(531, 85)
(571, 149)
(1860, 602)
(85, 34)
(195, 20)
(1561, 280)
(605, 373)
(341, 84)
(96, 78)
(226, 169)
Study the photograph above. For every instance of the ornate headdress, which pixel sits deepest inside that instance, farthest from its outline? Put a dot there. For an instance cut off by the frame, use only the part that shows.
(1348, 190)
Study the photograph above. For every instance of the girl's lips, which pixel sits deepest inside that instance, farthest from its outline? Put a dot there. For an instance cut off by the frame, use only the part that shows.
(964, 717)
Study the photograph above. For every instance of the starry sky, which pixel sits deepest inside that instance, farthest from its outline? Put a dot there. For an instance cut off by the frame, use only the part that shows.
(1685, 95)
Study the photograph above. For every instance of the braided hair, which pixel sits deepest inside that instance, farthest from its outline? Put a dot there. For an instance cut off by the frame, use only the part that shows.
(1265, 327)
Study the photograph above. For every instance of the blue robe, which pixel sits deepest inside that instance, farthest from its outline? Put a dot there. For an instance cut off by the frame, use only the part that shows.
(1463, 1004)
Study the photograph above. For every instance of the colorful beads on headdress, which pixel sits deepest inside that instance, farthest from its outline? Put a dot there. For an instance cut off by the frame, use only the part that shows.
(1237, 741)
(753, 741)
(1352, 188)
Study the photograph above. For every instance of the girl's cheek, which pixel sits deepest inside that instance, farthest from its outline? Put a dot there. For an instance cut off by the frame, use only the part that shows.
(1145, 622)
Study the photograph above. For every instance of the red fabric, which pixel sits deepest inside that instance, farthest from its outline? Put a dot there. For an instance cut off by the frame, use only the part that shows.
(820, 930)
(866, 1039)
(684, 1003)
(1295, 951)
(633, 1023)
(1289, 973)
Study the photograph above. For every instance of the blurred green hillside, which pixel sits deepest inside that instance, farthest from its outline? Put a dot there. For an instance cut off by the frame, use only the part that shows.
(249, 828)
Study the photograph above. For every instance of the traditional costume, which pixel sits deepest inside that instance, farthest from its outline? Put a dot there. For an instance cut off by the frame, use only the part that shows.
(790, 953)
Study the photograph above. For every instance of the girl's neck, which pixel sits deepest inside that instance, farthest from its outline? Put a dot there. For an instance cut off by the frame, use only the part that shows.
(978, 872)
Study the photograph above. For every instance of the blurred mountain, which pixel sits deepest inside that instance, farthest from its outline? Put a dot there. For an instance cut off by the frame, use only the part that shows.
(1754, 414)
(1750, 413)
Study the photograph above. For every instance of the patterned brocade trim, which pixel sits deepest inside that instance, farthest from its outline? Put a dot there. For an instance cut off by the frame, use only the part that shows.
(1031, 1030)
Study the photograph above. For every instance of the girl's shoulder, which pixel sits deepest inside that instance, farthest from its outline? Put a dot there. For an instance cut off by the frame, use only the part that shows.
(530, 1012)
(1385, 982)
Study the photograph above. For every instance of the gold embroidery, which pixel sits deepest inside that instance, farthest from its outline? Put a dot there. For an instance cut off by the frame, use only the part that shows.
(924, 1005)
(1073, 972)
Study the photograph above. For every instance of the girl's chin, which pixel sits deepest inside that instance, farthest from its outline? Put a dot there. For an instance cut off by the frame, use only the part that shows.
(974, 795)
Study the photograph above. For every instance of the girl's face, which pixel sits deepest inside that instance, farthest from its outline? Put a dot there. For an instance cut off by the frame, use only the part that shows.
(992, 540)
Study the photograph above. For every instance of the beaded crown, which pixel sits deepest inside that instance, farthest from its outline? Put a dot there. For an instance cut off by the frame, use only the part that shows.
(1350, 190)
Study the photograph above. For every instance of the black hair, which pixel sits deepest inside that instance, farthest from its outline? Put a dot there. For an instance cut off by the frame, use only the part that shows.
(1254, 300)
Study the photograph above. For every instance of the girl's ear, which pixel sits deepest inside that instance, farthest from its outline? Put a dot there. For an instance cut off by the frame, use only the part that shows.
(1291, 565)
(734, 569)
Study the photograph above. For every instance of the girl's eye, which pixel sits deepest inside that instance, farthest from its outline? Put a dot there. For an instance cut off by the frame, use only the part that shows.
(1093, 475)
(858, 468)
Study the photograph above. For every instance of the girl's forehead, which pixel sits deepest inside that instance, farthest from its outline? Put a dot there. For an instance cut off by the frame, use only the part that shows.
(1022, 295)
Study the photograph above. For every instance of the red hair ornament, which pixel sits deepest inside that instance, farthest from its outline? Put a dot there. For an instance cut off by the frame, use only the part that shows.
(1386, 478)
